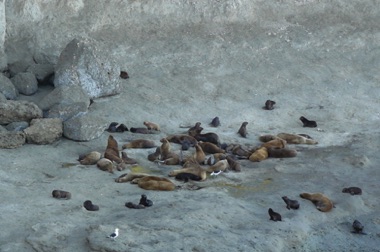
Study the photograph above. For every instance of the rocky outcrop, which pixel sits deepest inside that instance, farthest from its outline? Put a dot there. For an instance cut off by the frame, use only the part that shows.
(15, 111)
(7, 88)
(11, 139)
(44, 131)
(83, 63)
(25, 83)
(84, 127)
(66, 111)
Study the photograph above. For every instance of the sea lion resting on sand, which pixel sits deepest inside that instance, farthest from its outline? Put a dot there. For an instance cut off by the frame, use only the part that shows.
(277, 143)
(105, 164)
(126, 177)
(352, 190)
(210, 148)
(322, 203)
(259, 155)
(281, 153)
(152, 126)
(296, 139)
(193, 169)
(59, 194)
(221, 165)
(90, 158)
(180, 139)
(139, 143)
(154, 183)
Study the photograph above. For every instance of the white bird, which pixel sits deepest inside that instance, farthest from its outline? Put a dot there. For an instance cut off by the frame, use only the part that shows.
(114, 234)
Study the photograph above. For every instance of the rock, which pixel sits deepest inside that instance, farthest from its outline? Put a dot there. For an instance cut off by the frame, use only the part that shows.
(64, 95)
(65, 112)
(11, 139)
(3, 129)
(16, 111)
(19, 67)
(17, 126)
(25, 83)
(84, 127)
(7, 88)
(84, 63)
(44, 131)
(41, 71)
(2, 97)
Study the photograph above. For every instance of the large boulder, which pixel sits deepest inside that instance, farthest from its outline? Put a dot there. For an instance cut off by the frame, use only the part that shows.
(66, 111)
(84, 127)
(11, 139)
(41, 71)
(26, 83)
(7, 88)
(86, 64)
(16, 111)
(44, 131)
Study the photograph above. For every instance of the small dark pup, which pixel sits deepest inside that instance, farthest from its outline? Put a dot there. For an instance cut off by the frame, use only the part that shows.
(308, 123)
(273, 215)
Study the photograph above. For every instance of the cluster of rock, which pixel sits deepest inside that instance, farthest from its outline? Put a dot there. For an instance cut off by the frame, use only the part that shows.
(82, 73)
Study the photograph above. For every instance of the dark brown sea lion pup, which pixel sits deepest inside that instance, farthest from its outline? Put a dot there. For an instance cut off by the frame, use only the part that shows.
(134, 206)
(89, 158)
(155, 155)
(59, 194)
(89, 206)
(210, 148)
(152, 126)
(215, 122)
(321, 202)
(206, 137)
(243, 129)
(116, 127)
(139, 144)
(187, 176)
(273, 215)
(112, 150)
(269, 105)
(281, 153)
(195, 169)
(352, 190)
(358, 227)
(124, 75)
(308, 123)
(291, 204)
(145, 202)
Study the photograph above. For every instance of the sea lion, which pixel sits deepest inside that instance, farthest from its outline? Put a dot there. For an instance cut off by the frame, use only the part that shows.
(321, 202)
(185, 145)
(124, 75)
(89, 158)
(273, 215)
(352, 190)
(210, 148)
(139, 144)
(105, 164)
(243, 129)
(296, 139)
(269, 105)
(171, 159)
(145, 202)
(259, 155)
(59, 194)
(155, 155)
(116, 127)
(277, 143)
(134, 206)
(281, 153)
(199, 155)
(142, 130)
(154, 183)
(152, 126)
(215, 122)
(358, 227)
(207, 137)
(126, 177)
(221, 165)
(187, 176)
(126, 159)
(196, 128)
(234, 165)
(164, 148)
(112, 150)
(89, 206)
(212, 159)
(193, 169)
(291, 204)
(308, 123)
(267, 138)
(180, 139)
(240, 151)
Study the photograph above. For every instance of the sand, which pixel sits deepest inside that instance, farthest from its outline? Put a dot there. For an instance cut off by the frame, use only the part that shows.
(192, 78)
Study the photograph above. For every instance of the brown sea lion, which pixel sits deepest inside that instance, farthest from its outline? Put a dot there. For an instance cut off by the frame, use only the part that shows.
(221, 165)
(206, 137)
(281, 153)
(180, 139)
(193, 169)
(291, 204)
(199, 155)
(243, 129)
(164, 148)
(126, 159)
(296, 139)
(112, 150)
(352, 190)
(259, 155)
(90, 158)
(155, 155)
(308, 123)
(126, 177)
(152, 126)
(139, 144)
(170, 159)
(105, 164)
(210, 148)
(267, 138)
(273, 215)
(59, 194)
(142, 130)
(234, 165)
(240, 151)
(196, 128)
(154, 183)
(277, 143)
(321, 202)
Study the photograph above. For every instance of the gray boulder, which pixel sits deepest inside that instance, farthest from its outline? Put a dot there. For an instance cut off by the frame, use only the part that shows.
(11, 139)
(2, 97)
(65, 112)
(86, 64)
(7, 88)
(17, 126)
(64, 95)
(26, 83)
(16, 111)
(44, 131)
(41, 71)
(84, 127)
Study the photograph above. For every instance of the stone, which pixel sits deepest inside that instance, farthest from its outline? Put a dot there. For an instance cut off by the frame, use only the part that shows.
(65, 112)
(26, 83)
(7, 88)
(18, 67)
(16, 111)
(17, 126)
(64, 95)
(84, 127)
(85, 63)
(44, 131)
(41, 71)
(11, 139)
(2, 97)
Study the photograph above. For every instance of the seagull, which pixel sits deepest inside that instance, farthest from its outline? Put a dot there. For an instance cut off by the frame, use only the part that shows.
(114, 234)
